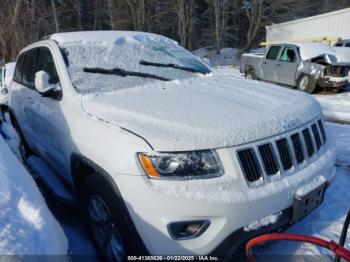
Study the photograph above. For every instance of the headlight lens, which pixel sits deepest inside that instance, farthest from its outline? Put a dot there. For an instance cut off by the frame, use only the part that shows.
(204, 163)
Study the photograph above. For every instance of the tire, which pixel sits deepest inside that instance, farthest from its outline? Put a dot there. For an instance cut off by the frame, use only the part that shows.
(307, 84)
(116, 225)
(250, 74)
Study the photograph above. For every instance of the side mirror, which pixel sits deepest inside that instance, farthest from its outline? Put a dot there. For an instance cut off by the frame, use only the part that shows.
(43, 86)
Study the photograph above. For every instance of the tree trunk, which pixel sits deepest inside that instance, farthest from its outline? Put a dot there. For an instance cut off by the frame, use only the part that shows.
(218, 34)
(190, 26)
(78, 13)
(53, 5)
(182, 22)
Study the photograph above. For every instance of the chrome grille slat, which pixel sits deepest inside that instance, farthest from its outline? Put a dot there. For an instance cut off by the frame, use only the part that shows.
(298, 148)
(323, 133)
(268, 159)
(249, 164)
(316, 136)
(282, 154)
(308, 142)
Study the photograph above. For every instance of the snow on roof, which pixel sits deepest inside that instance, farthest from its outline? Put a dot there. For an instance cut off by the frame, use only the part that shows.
(107, 37)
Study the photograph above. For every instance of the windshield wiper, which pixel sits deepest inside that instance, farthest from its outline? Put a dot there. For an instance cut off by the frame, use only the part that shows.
(121, 72)
(184, 68)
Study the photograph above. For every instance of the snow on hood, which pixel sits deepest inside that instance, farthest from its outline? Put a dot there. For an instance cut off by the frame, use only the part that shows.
(205, 112)
(312, 50)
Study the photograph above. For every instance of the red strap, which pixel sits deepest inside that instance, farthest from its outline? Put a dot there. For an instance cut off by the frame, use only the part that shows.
(331, 245)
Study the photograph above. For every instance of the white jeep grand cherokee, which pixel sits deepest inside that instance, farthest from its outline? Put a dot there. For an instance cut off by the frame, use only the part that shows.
(167, 156)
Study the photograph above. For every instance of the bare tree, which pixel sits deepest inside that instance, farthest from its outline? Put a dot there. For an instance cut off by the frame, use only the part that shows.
(254, 12)
(55, 17)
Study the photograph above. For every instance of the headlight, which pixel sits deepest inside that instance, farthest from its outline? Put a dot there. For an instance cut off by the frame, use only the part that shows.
(194, 164)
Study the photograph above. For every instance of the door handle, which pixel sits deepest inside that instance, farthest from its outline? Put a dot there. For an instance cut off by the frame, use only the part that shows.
(278, 64)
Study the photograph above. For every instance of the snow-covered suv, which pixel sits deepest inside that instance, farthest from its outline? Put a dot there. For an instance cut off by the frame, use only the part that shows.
(168, 156)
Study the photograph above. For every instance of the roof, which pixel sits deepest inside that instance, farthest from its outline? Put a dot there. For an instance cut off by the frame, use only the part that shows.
(341, 11)
(102, 36)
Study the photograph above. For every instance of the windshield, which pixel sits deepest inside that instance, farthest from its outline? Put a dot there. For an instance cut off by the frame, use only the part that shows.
(128, 62)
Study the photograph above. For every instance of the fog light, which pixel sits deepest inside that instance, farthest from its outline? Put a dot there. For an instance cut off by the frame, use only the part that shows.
(187, 229)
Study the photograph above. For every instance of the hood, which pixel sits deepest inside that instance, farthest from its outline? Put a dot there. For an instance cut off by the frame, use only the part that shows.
(213, 111)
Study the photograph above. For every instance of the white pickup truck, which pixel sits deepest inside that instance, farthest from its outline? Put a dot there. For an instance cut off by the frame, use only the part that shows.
(301, 65)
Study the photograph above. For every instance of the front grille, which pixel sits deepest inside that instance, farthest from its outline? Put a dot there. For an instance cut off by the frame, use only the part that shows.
(269, 159)
(308, 142)
(323, 133)
(336, 71)
(316, 136)
(249, 164)
(282, 154)
(298, 149)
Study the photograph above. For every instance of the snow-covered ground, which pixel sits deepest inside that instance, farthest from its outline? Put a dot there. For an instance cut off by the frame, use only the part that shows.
(336, 107)
(27, 227)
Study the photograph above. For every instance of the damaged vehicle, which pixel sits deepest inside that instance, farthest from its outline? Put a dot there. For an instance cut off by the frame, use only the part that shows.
(305, 66)
(166, 156)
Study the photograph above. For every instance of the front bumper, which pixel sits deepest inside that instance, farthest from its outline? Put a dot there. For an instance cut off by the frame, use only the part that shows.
(154, 204)
(333, 82)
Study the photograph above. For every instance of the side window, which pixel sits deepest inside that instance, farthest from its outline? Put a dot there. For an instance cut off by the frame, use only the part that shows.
(347, 44)
(288, 55)
(18, 71)
(339, 44)
(29, 68)
(273, 52)
(46, 63)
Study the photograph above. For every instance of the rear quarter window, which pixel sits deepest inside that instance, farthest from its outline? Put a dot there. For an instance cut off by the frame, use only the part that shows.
(273, 52)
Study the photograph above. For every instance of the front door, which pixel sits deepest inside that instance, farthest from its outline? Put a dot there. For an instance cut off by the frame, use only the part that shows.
(288, 63)
(269, 64)
(46, 118)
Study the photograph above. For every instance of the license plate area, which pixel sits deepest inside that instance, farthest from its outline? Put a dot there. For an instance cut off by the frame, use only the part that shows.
(303, 205)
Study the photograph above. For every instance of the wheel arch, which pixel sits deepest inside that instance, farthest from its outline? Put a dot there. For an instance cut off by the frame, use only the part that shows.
(81, 164)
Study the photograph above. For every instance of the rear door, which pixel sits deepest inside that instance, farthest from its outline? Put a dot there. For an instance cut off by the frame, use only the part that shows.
(287, 65)
(22, 91)
(269, 64)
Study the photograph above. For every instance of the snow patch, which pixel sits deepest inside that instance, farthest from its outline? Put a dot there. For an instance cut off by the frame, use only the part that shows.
(27, 227)
(271, 219)
(318, 181)
(30, 213)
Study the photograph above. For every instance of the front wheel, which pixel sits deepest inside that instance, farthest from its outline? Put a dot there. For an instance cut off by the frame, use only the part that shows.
(103, 220)
(307, 84)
